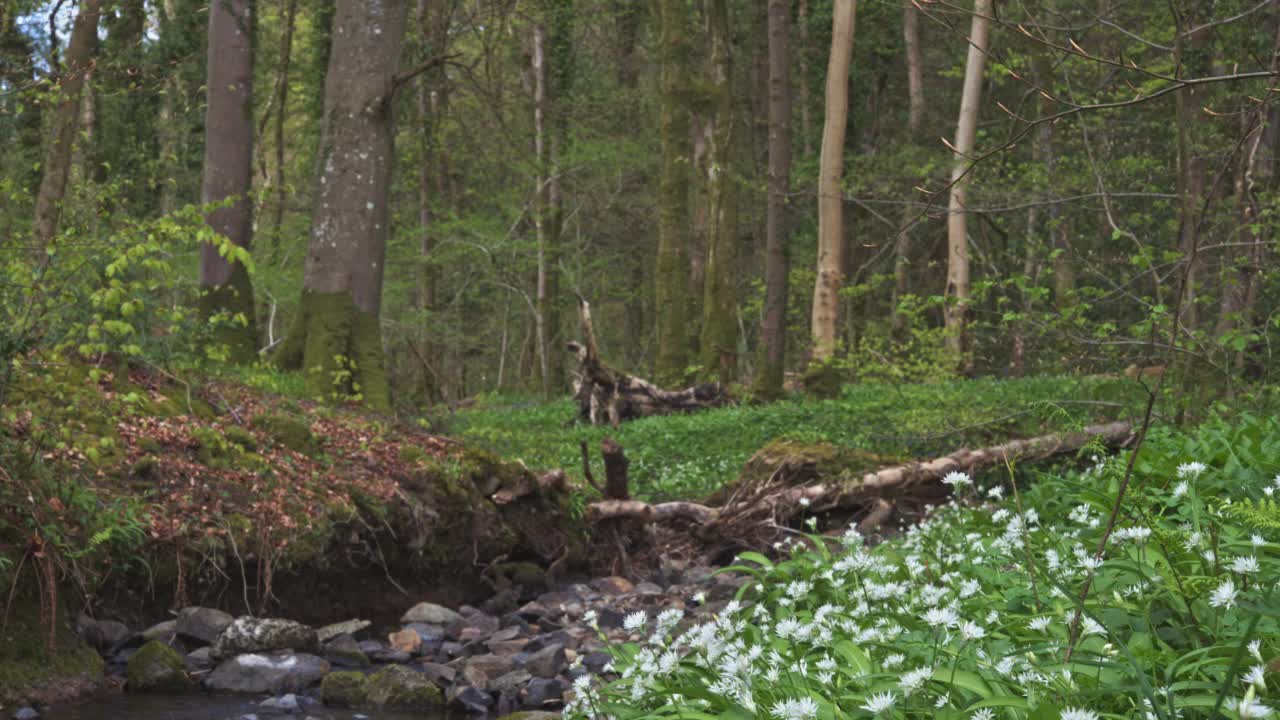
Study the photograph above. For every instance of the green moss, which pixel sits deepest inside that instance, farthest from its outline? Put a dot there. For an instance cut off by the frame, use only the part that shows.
(339, 348)
(145, 468)
(156, 667)
(343, 689)
(24, 660)
(411, 454)
(823, 380)
(289, 432)
(229, 309)
(399, 688)
(525, 574)
(241, 437)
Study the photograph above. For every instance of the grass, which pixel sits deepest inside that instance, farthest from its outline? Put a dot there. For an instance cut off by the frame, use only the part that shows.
(691, 456)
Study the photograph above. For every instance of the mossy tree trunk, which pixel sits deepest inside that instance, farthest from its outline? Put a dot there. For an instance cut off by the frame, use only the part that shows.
(773, 324)
(226, 293)
(719, 342)
(672, 270)
(78, 63)
(336, 337)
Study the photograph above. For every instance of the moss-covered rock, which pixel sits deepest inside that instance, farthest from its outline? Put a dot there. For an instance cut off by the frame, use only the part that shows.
(289, 432)
(343, 689)
(398, 688)
(26, 662)
(156, 667)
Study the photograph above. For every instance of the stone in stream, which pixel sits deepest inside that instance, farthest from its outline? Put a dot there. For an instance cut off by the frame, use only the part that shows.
(439, 674)
(202, 624)
(399, 688)
(102, 635)
(481, 670)
(430, 613)
(510, 682)
(473, 700)
(348, 627)
(281, 672)
(26, 713)
(287, 703)
(596, 661)
(547, 662)
(257, 635)
(344, 651)
(199, 660)
(343, 689)
(541, 692)
(612, 585)
(405, 640)
(156, 667)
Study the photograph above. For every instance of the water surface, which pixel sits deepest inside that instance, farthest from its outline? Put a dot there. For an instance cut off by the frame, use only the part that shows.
(124, 706)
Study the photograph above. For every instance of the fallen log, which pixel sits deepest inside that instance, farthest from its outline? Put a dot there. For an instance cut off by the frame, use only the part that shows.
(755, 511)
(606, 395)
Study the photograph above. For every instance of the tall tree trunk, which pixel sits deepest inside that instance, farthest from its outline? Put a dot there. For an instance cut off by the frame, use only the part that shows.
(337, 327)
(673, 196)
(226, 295)
(282, 115)
(956, 314)
(1194, 55)
(77, 64)
(915, 125)
(826, 292)
(433, 23)
(802, 57)
(628, 15)
(542, 203)
(773, 323)
(720, 302)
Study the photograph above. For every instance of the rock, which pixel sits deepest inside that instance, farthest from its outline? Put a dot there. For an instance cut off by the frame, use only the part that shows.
(156, 667)
(482, 670)
(648, 588)
(428, 632)
(531, 715)
(547, 662)
(478, 625)
(612, 585)
(596, 661)
(541, 692)
(473, 700)
(344, 651)
(506, 647)
(405, 640)
(349, 627)
(399, 688)
(609, 618)
(284, 704)
(102, 635)
(202, 623)
(199, 660)
(26, 713)
(425, 612)
(258, 635)
(164, 632)
(281, 672)
(439, 674)
(390, 656)
(533, 611)
(509, 682)
(343, 689)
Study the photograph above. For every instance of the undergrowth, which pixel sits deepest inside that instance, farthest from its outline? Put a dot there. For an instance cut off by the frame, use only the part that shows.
(1007, 604)
(691, 456)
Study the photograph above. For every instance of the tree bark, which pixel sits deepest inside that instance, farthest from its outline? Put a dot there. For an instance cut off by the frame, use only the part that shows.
(915, 125)
(282, 114)
(433, 23)
(830, 275)
(956, 314)
(77, 64)
(1194, 57)
(915, 82)
(336, 337)
(720, 307)
(773, 323)
(673, 195)
(226, 294)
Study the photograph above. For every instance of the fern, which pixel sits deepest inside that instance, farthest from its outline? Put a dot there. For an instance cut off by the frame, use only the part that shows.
(1261, 514)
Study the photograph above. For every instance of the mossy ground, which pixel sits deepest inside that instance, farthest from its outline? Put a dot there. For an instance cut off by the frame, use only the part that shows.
(26, 662)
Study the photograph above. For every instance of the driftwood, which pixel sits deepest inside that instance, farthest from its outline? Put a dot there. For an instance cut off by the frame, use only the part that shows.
(759, 513)
(605, 395)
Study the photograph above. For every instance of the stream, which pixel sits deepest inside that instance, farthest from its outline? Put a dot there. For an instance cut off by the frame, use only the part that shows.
(126, 706)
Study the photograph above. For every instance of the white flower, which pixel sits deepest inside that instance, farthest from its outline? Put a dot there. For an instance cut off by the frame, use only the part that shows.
(1255, 649)
(941, 617)
(1225, 596)
(972, 631)
(1245, 565)
(635, 621)
(956, 478)
(983, 714)
(700, 597)
(1248, 708)
(1078, 714)
(799, 709)
(893, 661)
(1255, 676)
(995, 493)
(915, 679)
(589, 617)
(1257, 540)
(879, 702)
(1191, 470)
(1180, 489)
(804, 502)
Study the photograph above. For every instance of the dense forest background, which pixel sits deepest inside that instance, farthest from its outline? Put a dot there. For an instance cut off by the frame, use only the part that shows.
(702, 171)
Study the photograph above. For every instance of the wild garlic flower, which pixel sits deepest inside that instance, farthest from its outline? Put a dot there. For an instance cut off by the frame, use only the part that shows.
(957, 479)
(983, 714)
(1191, 470)
(1256, 677)
(1078, 714)
(879, 702)
(635, 621)
(1225, 595)
(914, 680)
(1255, 649)
(1248, 708)
(1257, 540)
(972, 631)
(1180, 489)
(1245, 565)
(941, 617)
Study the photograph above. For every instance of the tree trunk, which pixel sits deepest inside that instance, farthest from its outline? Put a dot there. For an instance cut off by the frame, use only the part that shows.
(956, 314)
(673, 195)
(282, 114)
(915, 125)
(336, 335)
(915, 83)
(773, 323)
(826, 292)
(1194, 56)
(802, 57)
(226, 295)
(433, 21)
(720, 307)
(78, 63)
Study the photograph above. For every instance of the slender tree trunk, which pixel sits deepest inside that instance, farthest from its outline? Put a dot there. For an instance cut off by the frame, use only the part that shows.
(337, 329)
(806, 114)
(78, 63)
(1194, 56)
(915, 126)
(915, 82)
(542, 201)
(553, 72)
(673, 196)
(773, 323)
(282, 115)
(957, 291)
(826, 292)
(433, 22)
(720, 307)
(226, 293)
(628, 16)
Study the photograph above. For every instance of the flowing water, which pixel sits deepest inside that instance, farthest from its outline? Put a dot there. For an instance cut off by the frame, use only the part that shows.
(123, 706)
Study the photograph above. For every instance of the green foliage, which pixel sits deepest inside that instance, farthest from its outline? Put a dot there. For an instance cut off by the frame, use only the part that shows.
(691, 456)
(1027, 607)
